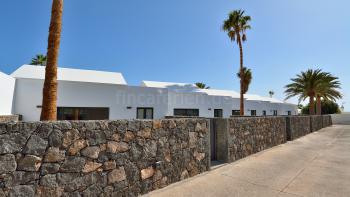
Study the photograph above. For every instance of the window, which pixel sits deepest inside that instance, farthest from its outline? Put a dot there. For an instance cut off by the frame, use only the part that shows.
(264, 112)
(144, 113)
(218, 113)
(289, 113)
(236, 113)
(82, 113)
(253, 112)
(186, 112)
(275, 112)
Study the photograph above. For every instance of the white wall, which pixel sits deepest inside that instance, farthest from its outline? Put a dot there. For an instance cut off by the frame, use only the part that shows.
(123, 101)
(75, 94)
(205, 103)
(7, 87)
(253, 105)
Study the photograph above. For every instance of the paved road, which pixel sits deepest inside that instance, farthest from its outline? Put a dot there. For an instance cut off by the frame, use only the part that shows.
(315, 165)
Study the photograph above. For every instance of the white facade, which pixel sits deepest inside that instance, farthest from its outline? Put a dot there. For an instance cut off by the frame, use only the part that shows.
(7, 87)
(98, 89)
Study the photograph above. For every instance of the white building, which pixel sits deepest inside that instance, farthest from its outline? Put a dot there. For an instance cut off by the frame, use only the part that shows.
(86, 94)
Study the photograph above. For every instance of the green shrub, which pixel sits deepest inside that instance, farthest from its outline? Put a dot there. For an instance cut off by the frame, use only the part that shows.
(328, 107)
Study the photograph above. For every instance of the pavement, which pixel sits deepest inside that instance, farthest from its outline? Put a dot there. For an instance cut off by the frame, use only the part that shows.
(315, 165)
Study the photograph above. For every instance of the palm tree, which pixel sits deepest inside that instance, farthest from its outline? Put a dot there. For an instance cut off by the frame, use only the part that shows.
(247, 78)
(49, 103)
(236, 26)
(305, 86)
(271, 93)
(201, 85)
(327, 90)
(39, 60)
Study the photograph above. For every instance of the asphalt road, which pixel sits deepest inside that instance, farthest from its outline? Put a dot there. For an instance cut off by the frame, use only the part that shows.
(315, 165)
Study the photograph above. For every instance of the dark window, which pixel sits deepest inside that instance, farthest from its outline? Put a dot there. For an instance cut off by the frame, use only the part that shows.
(144, 113)
(82, 113)
(264, 112)
(186, 112)
(218, 113)
(253, 112)
(236, 112)
(275, 112)
(289, 113)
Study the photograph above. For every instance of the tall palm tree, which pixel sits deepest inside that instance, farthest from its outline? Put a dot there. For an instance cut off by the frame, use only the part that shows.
(271, 93)
(39, 60)
(246, 79)
(327, 90)
(305, 86)
(236, 26)
(202, 85)
(49, 103)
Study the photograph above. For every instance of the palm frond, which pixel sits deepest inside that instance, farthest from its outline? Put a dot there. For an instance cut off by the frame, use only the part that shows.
(236, 24)
(246, 78)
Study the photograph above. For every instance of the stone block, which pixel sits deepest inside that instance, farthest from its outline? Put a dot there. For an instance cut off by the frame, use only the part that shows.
(12, 143)
(73, 164)
(22, 191)
(91, 166)
(7, 163)
(116, 175)
(147, 173)
(29, 163)
(49, 168)
(54, 155)
(117, 147)
(77, 146)
(35, 146)
(91, 152)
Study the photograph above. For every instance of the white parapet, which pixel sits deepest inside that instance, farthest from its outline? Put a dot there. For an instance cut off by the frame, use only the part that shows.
(7, 88)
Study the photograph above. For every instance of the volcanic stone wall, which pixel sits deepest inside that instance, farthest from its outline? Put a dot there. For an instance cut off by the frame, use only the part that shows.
(249, 135)
(297, 126)
(100, 158)
(128, 158)
(327, 120)
(316, 122)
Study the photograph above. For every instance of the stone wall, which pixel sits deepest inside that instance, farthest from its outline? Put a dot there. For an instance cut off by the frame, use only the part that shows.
(327, 120)
(101, 158)
(249, 135)
(9, 118)
(316, 122)
(297, 126)
(239, 137)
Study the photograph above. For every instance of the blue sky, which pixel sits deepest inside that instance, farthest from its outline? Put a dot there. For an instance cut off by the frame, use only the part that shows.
(182, 40)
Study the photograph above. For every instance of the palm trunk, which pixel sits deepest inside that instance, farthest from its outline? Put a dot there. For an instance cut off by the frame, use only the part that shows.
(318, 104)
(241, 74)
(49, 102)
(312, 105)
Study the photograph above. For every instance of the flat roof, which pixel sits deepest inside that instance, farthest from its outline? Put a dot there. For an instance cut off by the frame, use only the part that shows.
(188, 87)
(69, 74)
(159, 84)
(103, 77)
